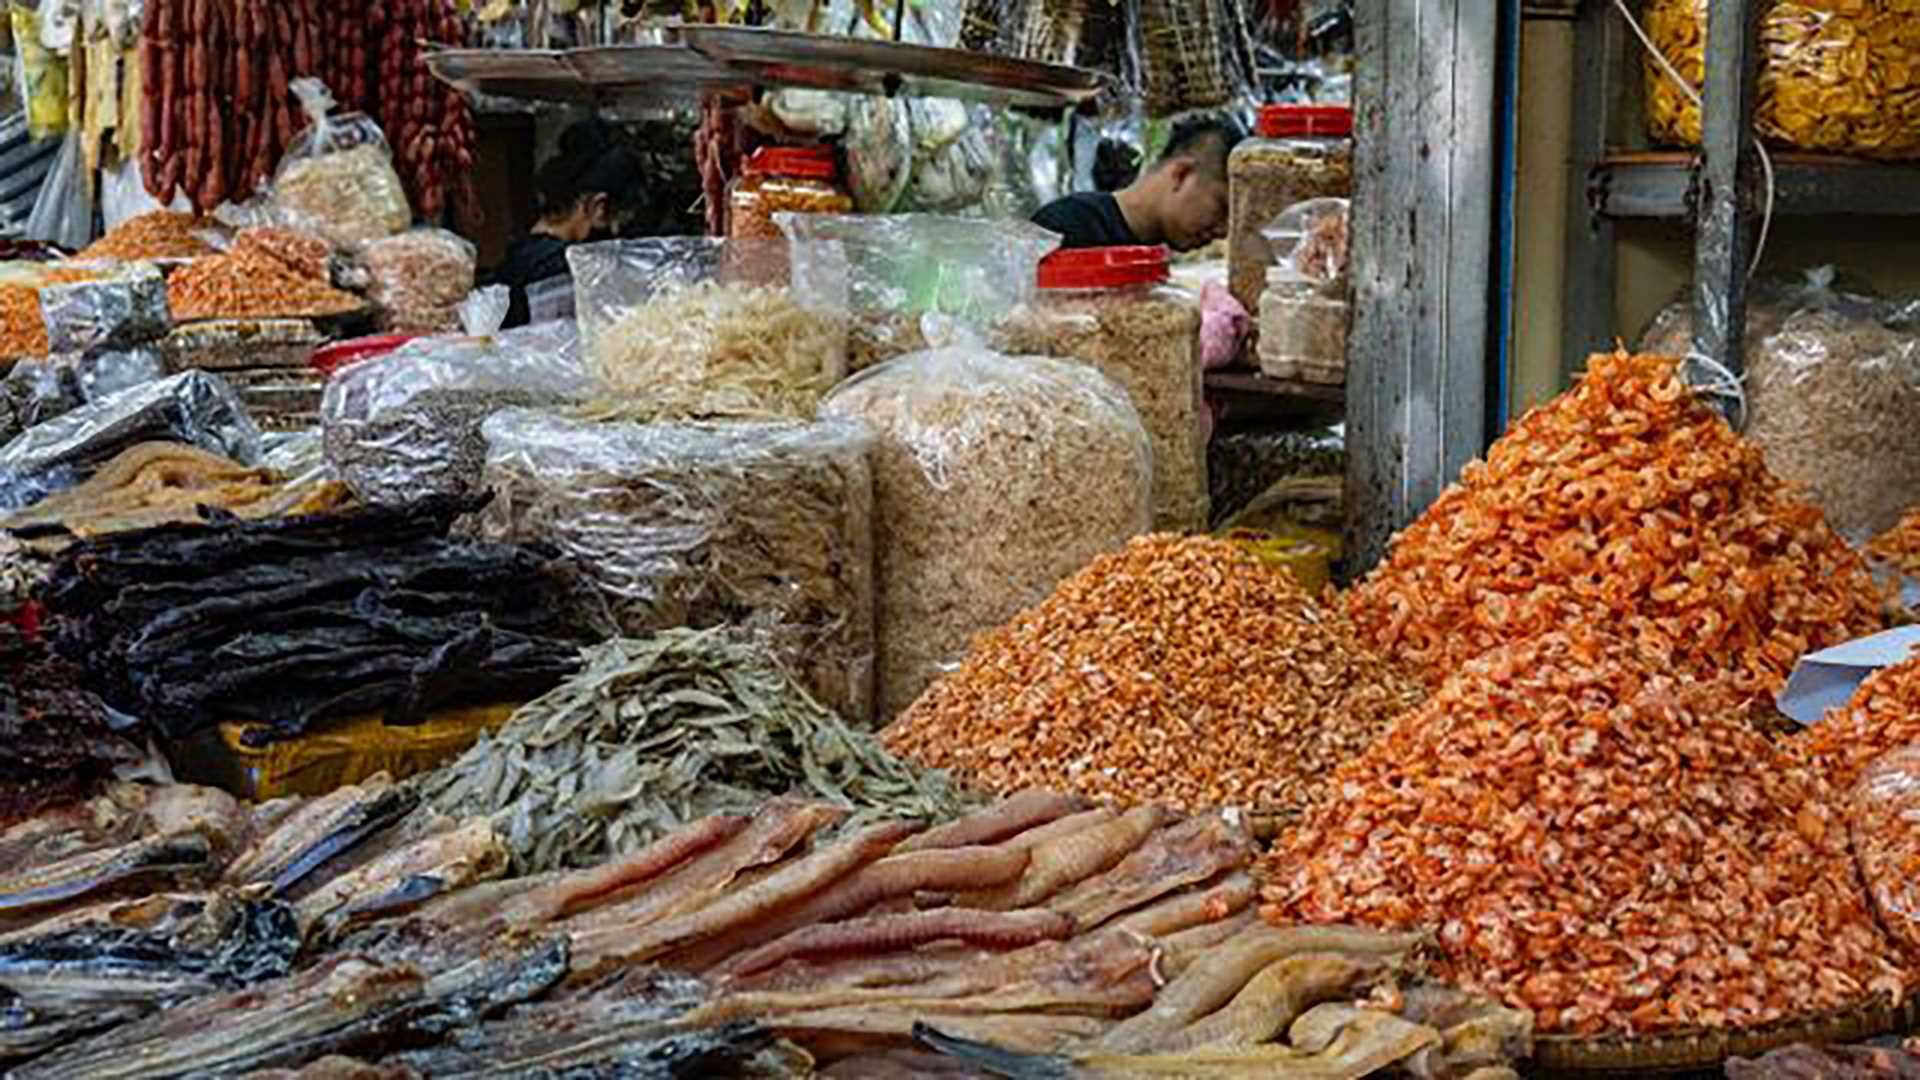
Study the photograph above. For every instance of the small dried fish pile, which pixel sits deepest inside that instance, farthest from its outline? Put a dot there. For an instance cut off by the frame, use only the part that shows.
(1883, 715)
(164, 483)
(660, 731)
(1629, 506)
(289, 622)
(1883, 818)
(1599, 841)
(1178, 670)
(761, 525)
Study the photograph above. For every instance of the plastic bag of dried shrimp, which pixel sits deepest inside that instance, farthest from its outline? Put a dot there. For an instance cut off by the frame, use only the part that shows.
(694, 328)
(1834, 78)
(763, 525)
(337, 179)
(419, 279)
(984, 497)
(1883, 813)
(1833, 395)
(919, 281)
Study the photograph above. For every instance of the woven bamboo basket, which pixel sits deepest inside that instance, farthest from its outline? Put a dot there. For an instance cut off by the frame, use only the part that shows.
(1693, 1051)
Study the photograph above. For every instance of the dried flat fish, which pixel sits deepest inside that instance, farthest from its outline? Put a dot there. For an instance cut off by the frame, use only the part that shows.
(659, 731)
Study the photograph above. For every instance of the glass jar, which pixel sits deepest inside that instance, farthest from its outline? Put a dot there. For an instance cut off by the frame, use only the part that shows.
(1303, 330)
(1112, 308)
(800, 180)
(1301, 152)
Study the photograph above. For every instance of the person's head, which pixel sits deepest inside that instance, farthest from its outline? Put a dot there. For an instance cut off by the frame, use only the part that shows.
(1186, 189)
(592, 187)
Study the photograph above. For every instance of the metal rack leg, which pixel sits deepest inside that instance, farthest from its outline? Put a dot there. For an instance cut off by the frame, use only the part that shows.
(1724, 244)
(1592, 259)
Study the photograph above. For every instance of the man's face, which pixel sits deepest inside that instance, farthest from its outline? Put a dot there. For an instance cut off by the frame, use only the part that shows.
(1196, 212)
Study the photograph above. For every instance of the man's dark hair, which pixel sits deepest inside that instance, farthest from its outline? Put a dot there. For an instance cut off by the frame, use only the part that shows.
(593, 159)
(1206, 140)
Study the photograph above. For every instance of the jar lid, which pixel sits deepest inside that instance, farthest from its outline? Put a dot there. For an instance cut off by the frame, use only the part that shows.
(1317, 121)
(1105, 267)
(804, 162)
(332, 358)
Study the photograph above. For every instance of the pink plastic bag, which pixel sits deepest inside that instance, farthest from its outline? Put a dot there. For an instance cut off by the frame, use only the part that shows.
(1223, 326)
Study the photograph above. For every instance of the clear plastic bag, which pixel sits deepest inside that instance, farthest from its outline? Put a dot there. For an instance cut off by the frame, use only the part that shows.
(767, 526)
(194, 407)
(968, 273)
(407, 424)
(419, 279)
(879, 149)
(337, 177)
(1834, 78)
(1309, 242)
(983, 495)
(127, 307)
(1884, 818)
(63, 211)
(1832, 395)
(37, 391)
(692, 328)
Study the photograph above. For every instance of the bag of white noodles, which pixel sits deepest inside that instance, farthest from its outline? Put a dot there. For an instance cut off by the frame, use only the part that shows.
(406, 424)
(995, 478)
(763, 525)
(693, 328)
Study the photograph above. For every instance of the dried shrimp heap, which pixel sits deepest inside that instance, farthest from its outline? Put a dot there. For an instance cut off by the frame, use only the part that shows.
(1899, 547)
(1180, 671)
(1628, 506)
(251, 285)
(1883, 715)
(1593, 839)
(719, 351)
(160, 234)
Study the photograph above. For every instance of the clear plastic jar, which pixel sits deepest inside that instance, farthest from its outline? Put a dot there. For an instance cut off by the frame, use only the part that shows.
(800, 180)
(1301, 152)
(1303, 330)
(1112, 308)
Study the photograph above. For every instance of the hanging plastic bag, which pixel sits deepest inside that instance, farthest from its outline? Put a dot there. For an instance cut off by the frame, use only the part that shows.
(337, 177)
(63, 212)
(41, 76)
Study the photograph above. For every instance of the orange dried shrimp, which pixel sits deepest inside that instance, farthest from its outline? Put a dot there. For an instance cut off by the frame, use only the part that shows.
(1883, 817)
(1179, 670)
(1624, 505)
(1899, 547)
(23, 327)
(251, 285)
(1598, 841)
(160, 234)
(1883, 715)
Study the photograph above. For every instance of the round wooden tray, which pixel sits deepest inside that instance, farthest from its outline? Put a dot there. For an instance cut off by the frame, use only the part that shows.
(1693, 1051)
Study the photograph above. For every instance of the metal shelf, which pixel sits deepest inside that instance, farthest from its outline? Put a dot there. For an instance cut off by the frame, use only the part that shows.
(1667, 186)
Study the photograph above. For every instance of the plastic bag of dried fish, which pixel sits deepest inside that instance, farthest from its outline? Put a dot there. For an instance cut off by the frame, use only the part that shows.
(967, 273)
(984, 484)
(1833, 395)
(660, 731)
(766, 525)
(692, 328)
(408, 424)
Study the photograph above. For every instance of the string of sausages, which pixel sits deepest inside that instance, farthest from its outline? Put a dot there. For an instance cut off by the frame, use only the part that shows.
(220, 110)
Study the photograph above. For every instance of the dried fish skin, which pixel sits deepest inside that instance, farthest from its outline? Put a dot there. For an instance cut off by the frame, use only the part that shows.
(656, 732)
(451, 861)
(1171, 859)
(71, 879)
(320, 831)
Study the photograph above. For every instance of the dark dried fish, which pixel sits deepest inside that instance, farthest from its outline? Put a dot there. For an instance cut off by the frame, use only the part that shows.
(319, 831)
(96, 871)
(411, 875)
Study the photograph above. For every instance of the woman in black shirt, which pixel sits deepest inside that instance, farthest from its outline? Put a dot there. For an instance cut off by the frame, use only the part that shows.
(588, 191)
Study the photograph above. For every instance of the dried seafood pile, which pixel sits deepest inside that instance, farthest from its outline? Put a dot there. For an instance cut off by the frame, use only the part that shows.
(994, 480)
(1242, 466)
(1179, 670)
(251, 285)
(761, 525)
(1612, 847)
(713, 351)
(1625, 505)
(1899, 547)
(1804, 1062)
(162, 483)
(658, 732)
(57, 741)
(1883, 715)
(419, 280)
(286, 623)
(159, 234)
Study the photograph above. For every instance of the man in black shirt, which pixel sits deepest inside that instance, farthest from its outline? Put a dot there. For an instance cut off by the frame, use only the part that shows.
(1180, 202)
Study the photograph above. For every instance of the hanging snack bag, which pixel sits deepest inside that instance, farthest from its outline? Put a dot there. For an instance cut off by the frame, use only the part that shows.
(337, 177)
